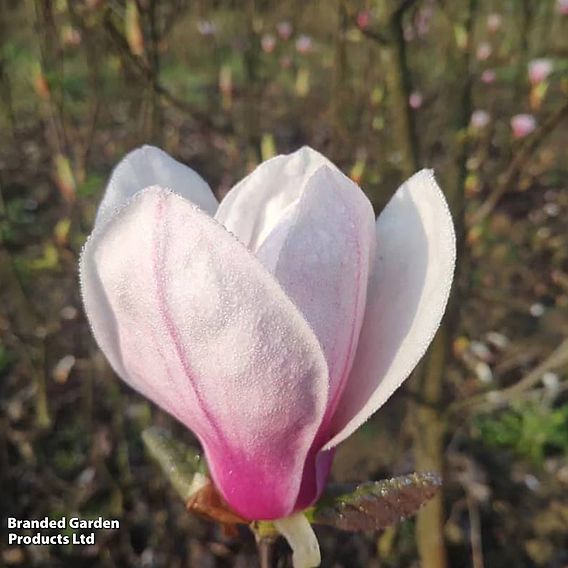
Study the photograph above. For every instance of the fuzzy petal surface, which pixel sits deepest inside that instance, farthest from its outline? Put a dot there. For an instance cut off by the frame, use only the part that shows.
(188, 317)
(252, 207)
(407, 295)
(147, 166)
(320, 251)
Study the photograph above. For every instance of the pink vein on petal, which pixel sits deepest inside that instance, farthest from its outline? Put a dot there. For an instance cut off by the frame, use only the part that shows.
(167, 319)
(351, 351)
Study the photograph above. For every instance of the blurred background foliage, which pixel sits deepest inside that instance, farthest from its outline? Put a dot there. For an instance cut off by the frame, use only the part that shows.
(476, 89)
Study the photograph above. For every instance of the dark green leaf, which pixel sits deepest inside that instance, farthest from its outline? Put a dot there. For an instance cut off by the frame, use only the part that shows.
(376, 504)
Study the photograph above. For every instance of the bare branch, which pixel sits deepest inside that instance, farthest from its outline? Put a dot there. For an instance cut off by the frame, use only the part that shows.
(145, 73)
(519, 162)
(500, 398)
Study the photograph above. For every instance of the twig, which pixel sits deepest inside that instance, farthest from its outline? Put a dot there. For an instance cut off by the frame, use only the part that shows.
(430, 427)
(83, 144)
(147, 75)
(265, 547)
(402, 8)
(382, 35)
(5, 86)
(518, 163)
(390, 37)
(475, 531)
(499, 398)
(30, 347)
(376, 35)
(155, 73)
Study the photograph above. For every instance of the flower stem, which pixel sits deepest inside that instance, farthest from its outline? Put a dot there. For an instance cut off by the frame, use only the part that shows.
(265, 547)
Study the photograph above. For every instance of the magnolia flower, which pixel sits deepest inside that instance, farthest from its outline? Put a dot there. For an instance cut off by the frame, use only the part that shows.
(71, 36)
(483, 51)
(284, 30)
(273, 324)
(409, 33)
(422, 20)
(480, 119)
(539, 70)
(206, 27)
(522, 125)
(494, 22)
(304, 43)
(562, 7)
(268, 43)
(363, 19)
(415, 100)
(488, 76)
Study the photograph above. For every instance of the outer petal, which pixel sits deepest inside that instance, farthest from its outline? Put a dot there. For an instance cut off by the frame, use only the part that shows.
(407, 296)
(147, 166)
(252, 208)
(187, 316)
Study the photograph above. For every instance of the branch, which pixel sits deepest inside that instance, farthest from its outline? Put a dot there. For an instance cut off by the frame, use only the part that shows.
(375, 34)
(404, 6)
(146, 73)
(500, 398)
(519, 162)
(265, 548)
(384, 35)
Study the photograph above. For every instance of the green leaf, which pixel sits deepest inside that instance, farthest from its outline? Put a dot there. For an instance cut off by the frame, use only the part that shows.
(133, 28)
(179, 462)
(303, 82)
(374, 505)
(267, 147)
(461, 36)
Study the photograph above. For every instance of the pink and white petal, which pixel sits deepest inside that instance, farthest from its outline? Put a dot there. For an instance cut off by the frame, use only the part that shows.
(253, 206)
(406, 299)
(187, 316)
(147, 166)
(320, 251)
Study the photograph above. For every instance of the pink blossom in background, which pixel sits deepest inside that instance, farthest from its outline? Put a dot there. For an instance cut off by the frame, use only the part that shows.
(562, 7)
(364, 19)
(72, 36)
(522, 125)
(304, 44)
(415, 100)
(408, 33)
(272, 324)
(268, 43)
(488, 76)
(483, 51)
(206, 27)
(539, 70)
(494, 22)
(480, 119)
(422, 20)
(284, 30)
